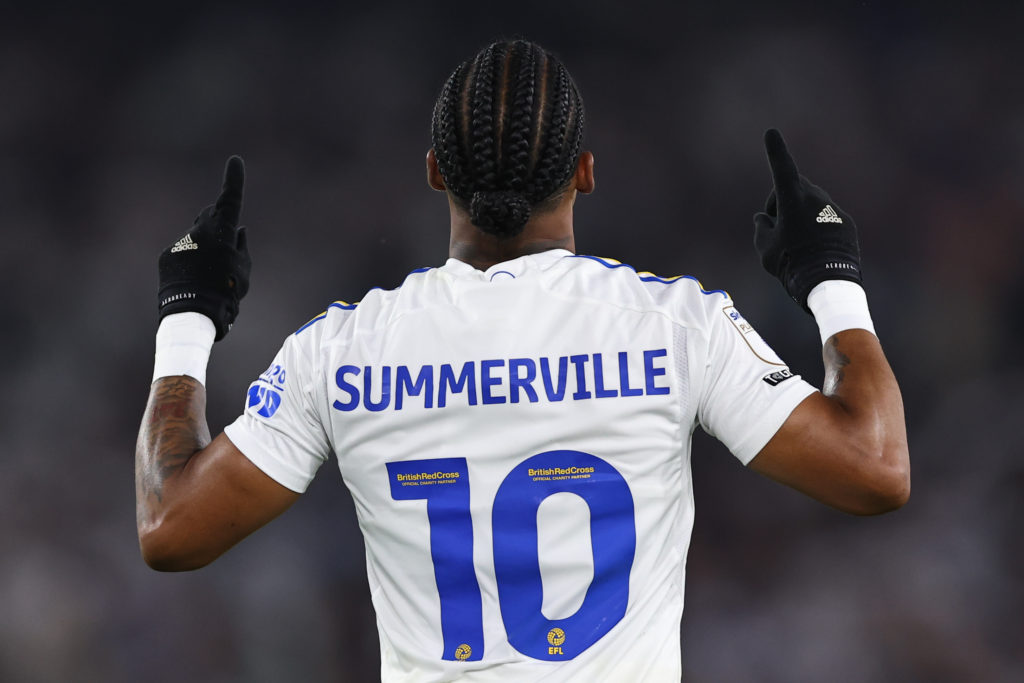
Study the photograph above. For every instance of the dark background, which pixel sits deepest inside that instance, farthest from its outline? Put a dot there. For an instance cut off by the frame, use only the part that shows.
(114, 126)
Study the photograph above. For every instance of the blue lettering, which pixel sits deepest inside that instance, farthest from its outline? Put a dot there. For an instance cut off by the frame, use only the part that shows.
(522, 373)
(486, 381)
(424, 384)
(624, 387)
(353, 392)
(599, 390)
(650, 372)
(581, 377)
(515, 382)
(385, 388)
(466, 380)
(554, 393)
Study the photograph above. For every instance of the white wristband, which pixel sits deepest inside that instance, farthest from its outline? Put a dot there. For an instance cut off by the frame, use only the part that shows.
(183, 343)
(839, 305)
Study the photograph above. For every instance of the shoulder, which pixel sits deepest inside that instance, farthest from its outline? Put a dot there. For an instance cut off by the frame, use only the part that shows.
(680, 297)
(376, 303)
(336, 311)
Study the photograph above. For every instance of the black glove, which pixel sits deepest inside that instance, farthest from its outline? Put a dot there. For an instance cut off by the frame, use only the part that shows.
(802, 236)
(207, 270)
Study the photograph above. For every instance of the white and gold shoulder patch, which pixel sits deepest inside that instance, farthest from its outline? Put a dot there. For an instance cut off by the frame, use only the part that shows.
(758, 346)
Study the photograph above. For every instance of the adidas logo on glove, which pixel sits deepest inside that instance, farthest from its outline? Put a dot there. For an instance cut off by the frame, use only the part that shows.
(186, 243)
(828, 215)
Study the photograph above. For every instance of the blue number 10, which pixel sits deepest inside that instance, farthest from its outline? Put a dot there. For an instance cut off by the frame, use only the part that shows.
(451, 547)
(444, 483)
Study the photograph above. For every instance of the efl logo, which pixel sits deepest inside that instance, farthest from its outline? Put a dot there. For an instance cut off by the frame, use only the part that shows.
(263, 400)
(556, 637)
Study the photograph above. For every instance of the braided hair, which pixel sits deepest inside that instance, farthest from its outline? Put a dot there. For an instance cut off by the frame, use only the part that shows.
(507, 132)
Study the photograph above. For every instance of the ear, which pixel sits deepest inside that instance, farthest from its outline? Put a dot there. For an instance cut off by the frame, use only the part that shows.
(585, 173)
(434, 178)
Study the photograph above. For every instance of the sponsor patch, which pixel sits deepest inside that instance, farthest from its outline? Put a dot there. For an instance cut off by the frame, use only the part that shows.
(265, 394)
(778, 377)
(739, 321)
(263, 400)
(757, 345)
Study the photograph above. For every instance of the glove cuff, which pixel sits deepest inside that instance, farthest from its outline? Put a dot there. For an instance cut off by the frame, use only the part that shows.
(183, 344)
(807, 268)
(839, 305)
(219, 307)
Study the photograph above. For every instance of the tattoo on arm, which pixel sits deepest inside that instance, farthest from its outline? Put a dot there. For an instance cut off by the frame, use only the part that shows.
(835, 361)
(173, 430)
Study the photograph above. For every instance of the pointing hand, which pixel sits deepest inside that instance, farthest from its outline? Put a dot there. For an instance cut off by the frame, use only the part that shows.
(207, 270)
(803, 237)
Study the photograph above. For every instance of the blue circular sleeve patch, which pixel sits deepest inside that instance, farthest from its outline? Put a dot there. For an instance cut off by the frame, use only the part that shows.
(263, 400)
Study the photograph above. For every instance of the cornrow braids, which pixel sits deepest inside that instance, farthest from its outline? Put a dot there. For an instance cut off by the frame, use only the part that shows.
(550, 159)
(446, 128)
(521, 124)
(481, 112)
(507, 133)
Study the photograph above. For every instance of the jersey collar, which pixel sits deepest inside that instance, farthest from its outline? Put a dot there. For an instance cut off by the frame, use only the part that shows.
(506, 269)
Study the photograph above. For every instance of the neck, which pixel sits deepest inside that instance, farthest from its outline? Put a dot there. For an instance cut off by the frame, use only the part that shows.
(549, 230)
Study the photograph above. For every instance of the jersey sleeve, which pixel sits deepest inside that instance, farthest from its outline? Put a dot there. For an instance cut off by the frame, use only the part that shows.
(281, 431)
(747, 392)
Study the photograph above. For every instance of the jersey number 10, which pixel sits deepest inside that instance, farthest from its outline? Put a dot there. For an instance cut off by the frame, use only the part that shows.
(444, 484)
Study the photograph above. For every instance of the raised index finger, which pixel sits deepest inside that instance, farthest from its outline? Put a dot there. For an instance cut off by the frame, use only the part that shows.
(784, 171)
(229, 203)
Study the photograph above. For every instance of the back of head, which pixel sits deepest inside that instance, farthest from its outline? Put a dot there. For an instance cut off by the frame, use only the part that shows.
(507, 133)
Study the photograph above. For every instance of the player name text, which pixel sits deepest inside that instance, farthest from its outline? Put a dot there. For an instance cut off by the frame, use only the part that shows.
(513, 380)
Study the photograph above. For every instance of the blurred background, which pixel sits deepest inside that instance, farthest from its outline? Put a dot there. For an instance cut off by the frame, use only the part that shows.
(114, 126)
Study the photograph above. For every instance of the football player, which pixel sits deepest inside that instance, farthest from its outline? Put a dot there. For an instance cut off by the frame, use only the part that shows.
(514, 425)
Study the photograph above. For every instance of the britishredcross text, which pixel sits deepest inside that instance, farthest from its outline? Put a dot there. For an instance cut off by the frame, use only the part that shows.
(427, 476)
(495, 381)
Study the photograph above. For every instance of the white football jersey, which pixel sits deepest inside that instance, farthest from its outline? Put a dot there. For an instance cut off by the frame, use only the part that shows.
(517, 444)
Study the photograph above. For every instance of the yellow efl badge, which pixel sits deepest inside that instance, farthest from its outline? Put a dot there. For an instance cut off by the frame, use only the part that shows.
(556, 637)
(462, 652)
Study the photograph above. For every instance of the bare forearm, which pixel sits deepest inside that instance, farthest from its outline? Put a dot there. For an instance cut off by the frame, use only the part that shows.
(846, 446)
(173, 430)
(195, 498)
(859, 381)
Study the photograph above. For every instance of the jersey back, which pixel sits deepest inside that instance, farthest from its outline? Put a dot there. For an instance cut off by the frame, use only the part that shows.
(517, 444)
